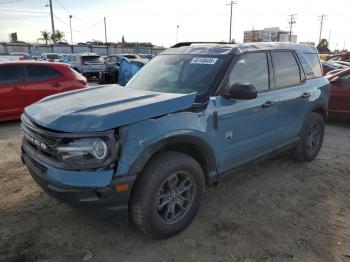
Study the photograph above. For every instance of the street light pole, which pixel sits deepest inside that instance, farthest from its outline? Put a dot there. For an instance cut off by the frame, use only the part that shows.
(321, 27)
(52, 23)
(104, 19)
(291, 23)
(231, 4)
(177, 32)
(71, 32)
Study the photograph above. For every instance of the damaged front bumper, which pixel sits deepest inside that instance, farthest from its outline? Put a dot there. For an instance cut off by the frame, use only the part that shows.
(81, 188)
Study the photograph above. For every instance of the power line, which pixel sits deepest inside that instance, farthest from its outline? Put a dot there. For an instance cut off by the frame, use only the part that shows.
(10, 2)
(69, 12)
(24, 11)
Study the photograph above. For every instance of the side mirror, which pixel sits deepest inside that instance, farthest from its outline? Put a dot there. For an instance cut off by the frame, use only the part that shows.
(243, 91)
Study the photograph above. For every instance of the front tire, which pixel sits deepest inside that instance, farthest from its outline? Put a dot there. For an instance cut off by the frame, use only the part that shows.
(167, 195)
(311, 139)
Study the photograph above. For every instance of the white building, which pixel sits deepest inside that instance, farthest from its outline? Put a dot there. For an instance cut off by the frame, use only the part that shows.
(271, 34)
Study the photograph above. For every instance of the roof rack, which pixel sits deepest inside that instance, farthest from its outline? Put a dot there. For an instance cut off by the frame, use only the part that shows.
(190, 43)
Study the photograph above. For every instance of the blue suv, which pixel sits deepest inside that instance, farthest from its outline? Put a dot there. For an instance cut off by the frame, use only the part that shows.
(192, 115)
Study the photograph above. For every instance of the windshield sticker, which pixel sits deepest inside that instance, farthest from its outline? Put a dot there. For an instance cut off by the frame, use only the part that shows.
(203, 60)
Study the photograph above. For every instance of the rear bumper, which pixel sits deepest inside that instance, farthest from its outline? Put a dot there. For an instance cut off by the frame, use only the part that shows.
(106, 197)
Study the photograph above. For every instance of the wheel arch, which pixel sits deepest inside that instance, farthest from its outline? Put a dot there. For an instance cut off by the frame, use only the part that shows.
(193, 146)
(322, 110)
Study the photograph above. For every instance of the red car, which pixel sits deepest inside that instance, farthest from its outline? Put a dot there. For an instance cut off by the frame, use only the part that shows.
(339, 103)
(24, 82)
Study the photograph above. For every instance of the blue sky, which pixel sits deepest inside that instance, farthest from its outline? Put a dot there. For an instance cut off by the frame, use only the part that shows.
(156, 20)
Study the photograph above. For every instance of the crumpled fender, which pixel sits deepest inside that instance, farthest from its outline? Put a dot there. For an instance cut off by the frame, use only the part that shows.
(136, 138)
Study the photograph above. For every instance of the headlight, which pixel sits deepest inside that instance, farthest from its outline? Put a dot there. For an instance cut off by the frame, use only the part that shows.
(84, 151)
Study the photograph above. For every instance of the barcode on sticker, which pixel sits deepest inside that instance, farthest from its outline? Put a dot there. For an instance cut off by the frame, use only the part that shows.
(204, 60)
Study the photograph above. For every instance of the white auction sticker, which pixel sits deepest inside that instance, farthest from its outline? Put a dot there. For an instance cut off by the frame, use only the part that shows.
(204, 60)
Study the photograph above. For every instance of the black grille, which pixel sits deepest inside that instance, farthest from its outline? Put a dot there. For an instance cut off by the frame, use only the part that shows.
(40, 140)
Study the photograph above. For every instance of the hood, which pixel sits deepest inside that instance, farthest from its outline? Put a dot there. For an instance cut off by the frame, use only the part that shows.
(103, 107)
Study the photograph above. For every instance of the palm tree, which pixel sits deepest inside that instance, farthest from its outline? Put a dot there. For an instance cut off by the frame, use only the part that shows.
(45, 36)
(58, 36)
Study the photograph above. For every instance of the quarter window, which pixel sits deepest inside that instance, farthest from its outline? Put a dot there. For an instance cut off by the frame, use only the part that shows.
(287, 71)
(252, 68)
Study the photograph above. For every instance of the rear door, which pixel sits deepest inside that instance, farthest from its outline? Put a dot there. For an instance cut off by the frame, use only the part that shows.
(340, 95)
(42, 81)
(247, 129)
(297, 94)
(12, 91)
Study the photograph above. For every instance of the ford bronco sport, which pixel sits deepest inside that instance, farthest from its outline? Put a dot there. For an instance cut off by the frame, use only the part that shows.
(192, 115)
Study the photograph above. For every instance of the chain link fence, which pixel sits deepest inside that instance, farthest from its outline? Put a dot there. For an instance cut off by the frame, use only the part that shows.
(33, 49)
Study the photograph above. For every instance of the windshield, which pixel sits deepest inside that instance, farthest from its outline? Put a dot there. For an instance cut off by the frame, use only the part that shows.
(54, 56)
(178, 74)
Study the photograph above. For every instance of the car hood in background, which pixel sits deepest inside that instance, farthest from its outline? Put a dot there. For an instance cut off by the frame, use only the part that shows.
(103, 107)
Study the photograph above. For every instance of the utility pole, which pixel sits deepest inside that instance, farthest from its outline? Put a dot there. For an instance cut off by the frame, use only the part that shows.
(106, 35)
(329, 37)
(71, 32)
(321, 26)
(291, 23)
(177, 32)
(52, 24)
(231, 4)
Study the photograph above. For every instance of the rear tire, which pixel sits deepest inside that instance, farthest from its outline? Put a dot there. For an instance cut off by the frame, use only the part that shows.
(311, 139)
(167, 195)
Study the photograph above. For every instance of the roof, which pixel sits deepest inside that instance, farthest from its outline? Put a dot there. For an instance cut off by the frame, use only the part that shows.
(216, 48)
(30, 62)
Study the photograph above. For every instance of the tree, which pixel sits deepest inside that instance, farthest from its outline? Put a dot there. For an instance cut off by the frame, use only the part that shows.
(323, 46)
(123, 40)
(45, 36)
(58, 36)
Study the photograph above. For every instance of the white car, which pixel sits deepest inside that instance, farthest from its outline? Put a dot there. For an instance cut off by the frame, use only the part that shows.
(52, 57)
(87, 64)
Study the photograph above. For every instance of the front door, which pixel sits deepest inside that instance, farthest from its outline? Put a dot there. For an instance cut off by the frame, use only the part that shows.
(12, 92)
(247, 129)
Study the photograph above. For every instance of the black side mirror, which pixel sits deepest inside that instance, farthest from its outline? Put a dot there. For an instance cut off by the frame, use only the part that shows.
(243, 91)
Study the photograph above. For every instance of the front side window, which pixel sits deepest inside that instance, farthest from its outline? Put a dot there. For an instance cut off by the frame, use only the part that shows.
(178, 74)
(252, 68)
(9, 74)
(286, 69)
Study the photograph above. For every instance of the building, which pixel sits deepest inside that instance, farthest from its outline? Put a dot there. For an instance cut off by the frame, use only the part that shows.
(271, 34)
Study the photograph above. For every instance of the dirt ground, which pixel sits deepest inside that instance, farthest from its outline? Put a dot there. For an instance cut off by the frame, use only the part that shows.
(279, 210)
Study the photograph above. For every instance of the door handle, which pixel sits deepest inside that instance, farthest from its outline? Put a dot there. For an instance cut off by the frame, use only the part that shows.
(305, 95)
(268, 104)
(56, 85)
(16, 89)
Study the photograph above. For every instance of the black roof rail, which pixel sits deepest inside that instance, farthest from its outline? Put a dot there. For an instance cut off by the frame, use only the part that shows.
(190, 43)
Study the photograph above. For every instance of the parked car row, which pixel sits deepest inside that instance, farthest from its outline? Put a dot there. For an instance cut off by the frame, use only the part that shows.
(24, 82)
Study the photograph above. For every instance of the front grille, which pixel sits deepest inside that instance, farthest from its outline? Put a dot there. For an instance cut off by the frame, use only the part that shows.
(38, 139)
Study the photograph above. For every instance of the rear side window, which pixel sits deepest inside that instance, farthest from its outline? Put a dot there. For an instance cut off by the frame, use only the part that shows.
(314, 61)
(10, 74)
(41, 73)
(286, 69)
(252, 68)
